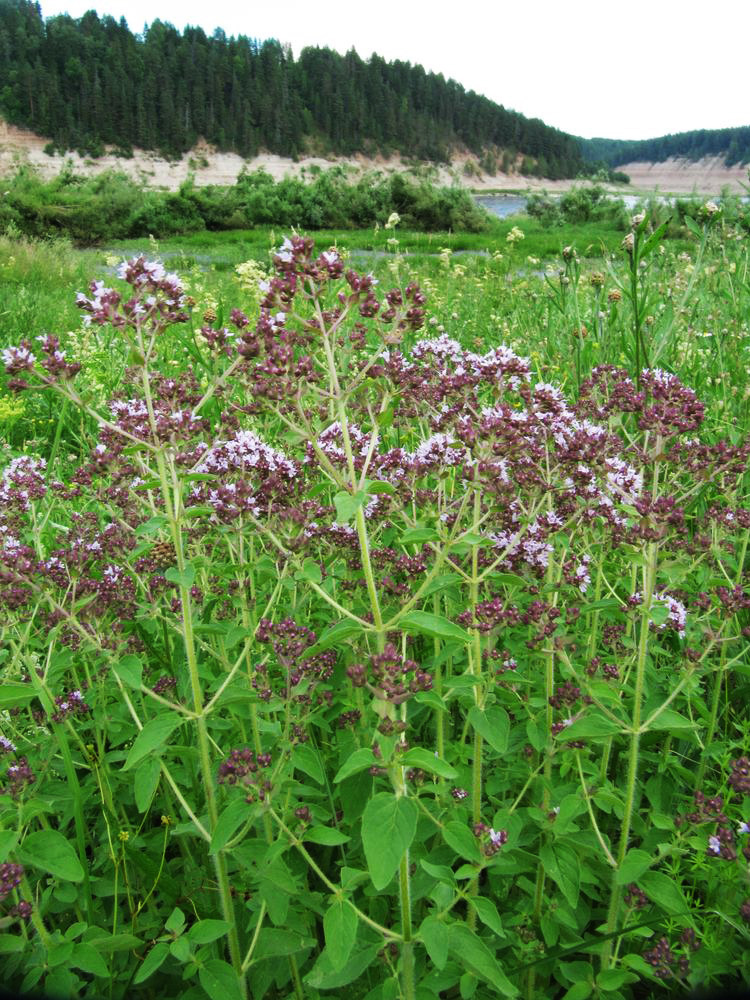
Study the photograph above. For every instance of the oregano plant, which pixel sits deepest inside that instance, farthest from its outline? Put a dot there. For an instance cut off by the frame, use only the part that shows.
(348, 658)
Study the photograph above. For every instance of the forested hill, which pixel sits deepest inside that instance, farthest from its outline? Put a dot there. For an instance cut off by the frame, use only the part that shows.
(87, 82)
(733, 144)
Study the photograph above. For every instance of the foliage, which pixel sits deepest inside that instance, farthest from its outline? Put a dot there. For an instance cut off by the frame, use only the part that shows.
(341, 655)
(112, 206)
(581, 204)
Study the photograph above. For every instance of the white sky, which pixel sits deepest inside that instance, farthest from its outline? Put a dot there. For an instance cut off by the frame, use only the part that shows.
(626, 70)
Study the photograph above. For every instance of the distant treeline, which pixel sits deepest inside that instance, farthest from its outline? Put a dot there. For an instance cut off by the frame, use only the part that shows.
(90, 82)
(113, 206)
(733, 144)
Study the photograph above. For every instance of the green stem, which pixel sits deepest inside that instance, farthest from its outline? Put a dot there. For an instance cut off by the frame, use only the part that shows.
(80, 826)
(719, 675)
(476, 666)
(407, 954)
(172, 504)
(438, 681)
(331, 886)
(649, 580)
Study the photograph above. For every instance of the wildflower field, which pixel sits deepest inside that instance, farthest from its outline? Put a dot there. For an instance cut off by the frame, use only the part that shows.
(376, 625)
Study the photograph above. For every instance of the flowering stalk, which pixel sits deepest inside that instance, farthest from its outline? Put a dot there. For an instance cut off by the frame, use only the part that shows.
(476, 667)
(172, 500)
(407, 951)
(631, 781)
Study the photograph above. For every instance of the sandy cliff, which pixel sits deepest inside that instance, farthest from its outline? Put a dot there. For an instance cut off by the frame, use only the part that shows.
(19, 146)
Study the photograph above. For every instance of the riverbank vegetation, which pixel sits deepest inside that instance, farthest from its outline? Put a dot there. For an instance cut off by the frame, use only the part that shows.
(112, 206)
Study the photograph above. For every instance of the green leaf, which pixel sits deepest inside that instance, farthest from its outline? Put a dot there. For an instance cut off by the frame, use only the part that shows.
(130, 671)
(508, 579)
(15, 695)
(659, 613)
(388, 827)
(236, 634)
(436, 938)
(145, 782)
(379, 486)
(8, 839)
(53, 853)
(206, 931)
(86, 957)
(218, 980)
(326, 835)
(358, 761)
(426, 761)
(650, 245)
(151, 738)
(417, 536)
(432, 699)
(578, 991)
(592, 726)
(183, 578)
(335, 635)
(228, 823)
(180, 949)
(433, 625)
(613, 979)
(11, 943)
(664, 891)
(307, 760)
(340, 930)
(153, 525)
(275, 943)
(493, 725)
(347, 505)
(441, 872)
(473, 953)
(111, 943)
(175, 923)
(488, 914)
(634, 864)
(310, 571)
(441, 583)
(693, 226)
(671, 721)
(562, 865)
(462, 840)
(323, 976)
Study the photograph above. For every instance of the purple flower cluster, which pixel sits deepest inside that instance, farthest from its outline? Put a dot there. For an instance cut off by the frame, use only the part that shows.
(19, 776)
(664, 962)
(10, 878)
(250, 477)
(246, 768)
(69, 704)
(294, 674)
(157, 299)
(491, 840)
(390, 677)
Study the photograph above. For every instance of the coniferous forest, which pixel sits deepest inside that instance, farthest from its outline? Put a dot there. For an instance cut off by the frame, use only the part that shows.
(733, 144)
(90, 82)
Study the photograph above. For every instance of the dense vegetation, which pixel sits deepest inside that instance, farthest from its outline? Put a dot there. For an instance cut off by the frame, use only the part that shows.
(733, 144)
(88, 82)
(380, 636)
(112, 206)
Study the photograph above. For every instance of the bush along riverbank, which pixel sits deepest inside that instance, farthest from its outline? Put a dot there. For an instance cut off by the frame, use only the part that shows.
(112, 206)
